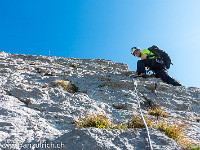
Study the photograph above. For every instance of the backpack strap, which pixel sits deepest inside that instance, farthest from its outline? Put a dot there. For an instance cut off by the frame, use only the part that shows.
(149, 54)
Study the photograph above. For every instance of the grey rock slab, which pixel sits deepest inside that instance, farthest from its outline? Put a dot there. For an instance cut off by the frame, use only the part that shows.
(33, 109)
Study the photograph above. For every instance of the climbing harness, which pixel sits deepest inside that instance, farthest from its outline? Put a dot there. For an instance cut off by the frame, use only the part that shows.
(146, 127)
(160, 61)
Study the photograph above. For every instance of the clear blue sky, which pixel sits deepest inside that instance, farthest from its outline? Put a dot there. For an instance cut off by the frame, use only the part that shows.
(105, 29)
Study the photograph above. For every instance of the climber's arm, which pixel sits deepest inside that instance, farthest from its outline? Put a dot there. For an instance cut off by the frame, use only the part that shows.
(144, 56)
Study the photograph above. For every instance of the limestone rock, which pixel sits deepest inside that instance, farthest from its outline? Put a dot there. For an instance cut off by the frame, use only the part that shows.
(33, 110)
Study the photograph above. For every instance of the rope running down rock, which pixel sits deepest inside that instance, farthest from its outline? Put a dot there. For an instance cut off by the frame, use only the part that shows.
(146, 127)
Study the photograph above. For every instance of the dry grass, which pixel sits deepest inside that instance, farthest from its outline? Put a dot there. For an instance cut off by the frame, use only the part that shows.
(21, 69)
(32, 63)
(137, 122)
(173, 131)
(157, 111)
(98, 121)
(187, 145)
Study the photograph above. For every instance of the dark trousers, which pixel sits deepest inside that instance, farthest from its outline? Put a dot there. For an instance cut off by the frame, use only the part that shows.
(158, 67)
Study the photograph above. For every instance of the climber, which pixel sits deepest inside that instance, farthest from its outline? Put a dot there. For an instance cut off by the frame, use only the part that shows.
(154, 63)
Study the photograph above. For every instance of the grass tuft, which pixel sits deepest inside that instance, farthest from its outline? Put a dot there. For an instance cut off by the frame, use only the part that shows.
(157, 111)
(187, 145)
(137, 122)
(98, 121)
(172, 131)
(75, 66)
(21, 69)
(67, 85)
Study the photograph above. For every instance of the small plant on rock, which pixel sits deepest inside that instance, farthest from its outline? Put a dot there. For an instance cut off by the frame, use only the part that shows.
(67, 85)
(75, 66)
(191, 147)
(32, 63)
(156, 111)
(172, 131)
(187, 145)
(98, 121)
(21, 69)
(137, 122)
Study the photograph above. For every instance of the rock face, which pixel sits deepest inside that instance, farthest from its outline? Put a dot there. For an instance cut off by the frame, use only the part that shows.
(37, 112)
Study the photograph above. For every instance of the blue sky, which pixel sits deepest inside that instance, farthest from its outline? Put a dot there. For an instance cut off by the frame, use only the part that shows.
(105, 29)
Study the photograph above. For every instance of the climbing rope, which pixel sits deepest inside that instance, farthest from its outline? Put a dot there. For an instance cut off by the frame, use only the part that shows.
(146, 127)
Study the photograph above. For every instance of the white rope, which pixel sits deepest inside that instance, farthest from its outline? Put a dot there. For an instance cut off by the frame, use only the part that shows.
(147, 130)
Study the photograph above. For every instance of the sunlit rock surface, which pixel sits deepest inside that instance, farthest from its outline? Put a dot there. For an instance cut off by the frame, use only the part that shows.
(34, 109)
